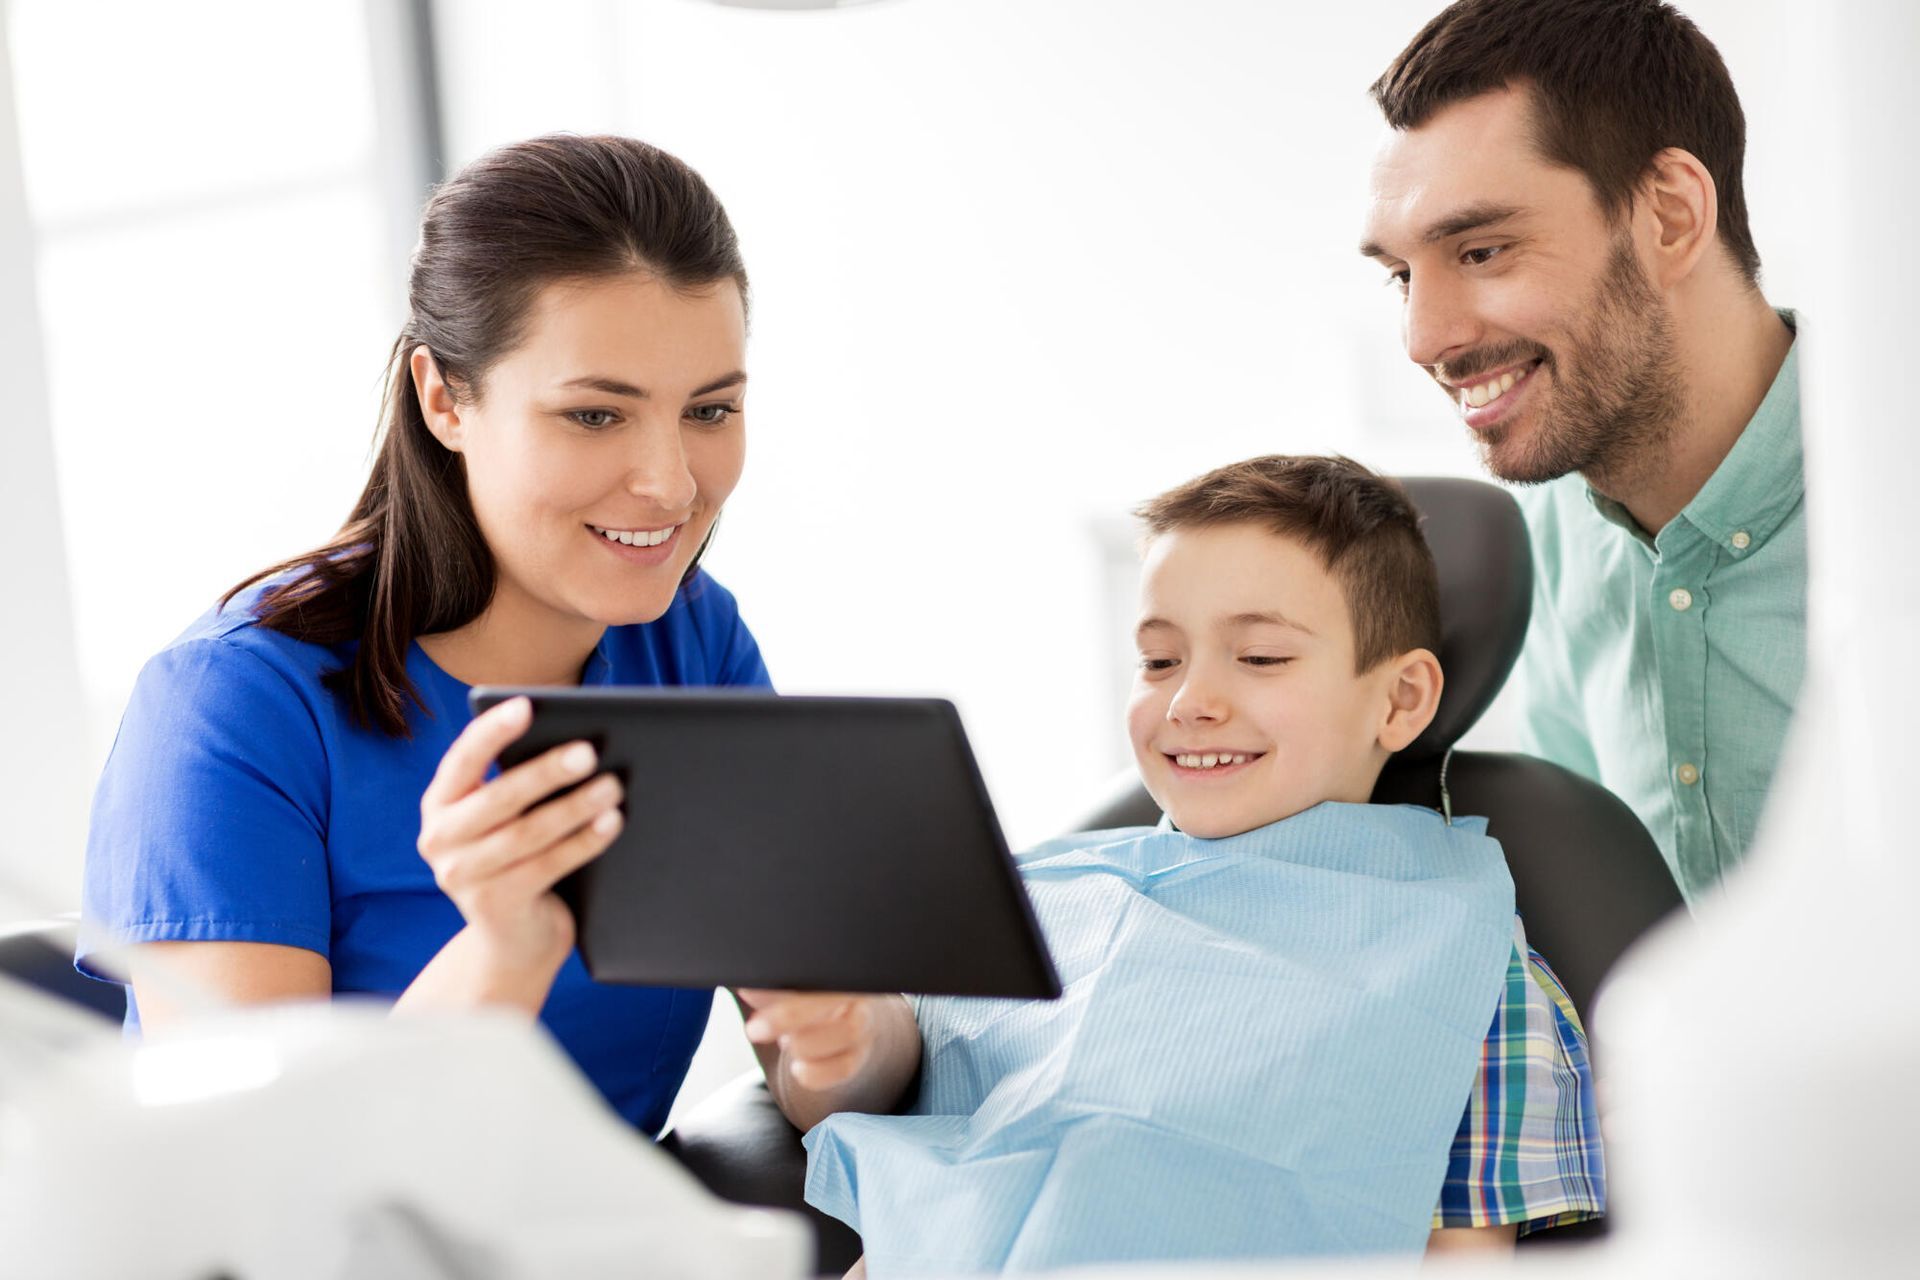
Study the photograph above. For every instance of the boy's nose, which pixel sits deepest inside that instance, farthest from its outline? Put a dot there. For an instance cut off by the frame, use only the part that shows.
(1196, 702)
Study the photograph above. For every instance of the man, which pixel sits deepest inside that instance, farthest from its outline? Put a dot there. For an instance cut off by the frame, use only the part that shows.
(1560, 203)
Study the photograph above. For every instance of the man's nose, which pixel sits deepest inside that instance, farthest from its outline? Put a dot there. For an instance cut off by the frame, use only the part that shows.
(657, 467)
(1437, 323)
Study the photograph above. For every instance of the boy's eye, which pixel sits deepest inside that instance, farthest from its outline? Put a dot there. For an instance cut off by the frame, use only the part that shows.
(1157, 664)
(712, 415)
(1265, 660)
(594, 419)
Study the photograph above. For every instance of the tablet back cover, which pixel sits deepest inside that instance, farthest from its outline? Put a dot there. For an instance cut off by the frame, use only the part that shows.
(835, 844)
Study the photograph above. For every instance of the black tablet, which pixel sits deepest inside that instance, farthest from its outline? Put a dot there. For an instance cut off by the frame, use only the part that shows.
(827, 844)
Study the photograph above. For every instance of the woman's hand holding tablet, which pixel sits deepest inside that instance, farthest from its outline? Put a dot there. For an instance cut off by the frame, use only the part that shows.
(498, 847)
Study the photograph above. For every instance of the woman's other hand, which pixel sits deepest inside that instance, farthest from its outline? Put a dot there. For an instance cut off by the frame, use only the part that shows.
(497, 848)
(827, 1052)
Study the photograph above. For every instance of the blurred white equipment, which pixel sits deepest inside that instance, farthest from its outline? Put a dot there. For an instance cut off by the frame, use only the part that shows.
(328, 1141)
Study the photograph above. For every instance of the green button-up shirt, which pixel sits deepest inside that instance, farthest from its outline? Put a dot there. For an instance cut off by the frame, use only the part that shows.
(1666, 667)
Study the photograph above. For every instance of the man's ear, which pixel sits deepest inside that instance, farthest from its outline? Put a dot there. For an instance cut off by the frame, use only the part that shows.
(438, 406)
(1678, 211)
(1413, 697)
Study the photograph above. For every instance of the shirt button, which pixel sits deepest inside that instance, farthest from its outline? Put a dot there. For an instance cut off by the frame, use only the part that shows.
(1687, 774)
(1741, 540)
(1681, 599)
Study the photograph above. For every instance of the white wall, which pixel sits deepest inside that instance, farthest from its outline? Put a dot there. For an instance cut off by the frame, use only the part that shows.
(203, 227)
(42, 753)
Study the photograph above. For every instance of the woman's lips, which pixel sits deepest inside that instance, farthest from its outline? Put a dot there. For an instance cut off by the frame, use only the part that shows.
(659, 553)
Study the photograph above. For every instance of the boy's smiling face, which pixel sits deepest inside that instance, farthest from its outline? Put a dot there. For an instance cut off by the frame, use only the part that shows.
(1246, 652)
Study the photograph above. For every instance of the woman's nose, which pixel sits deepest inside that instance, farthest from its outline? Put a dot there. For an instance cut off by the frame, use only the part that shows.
(657, 469)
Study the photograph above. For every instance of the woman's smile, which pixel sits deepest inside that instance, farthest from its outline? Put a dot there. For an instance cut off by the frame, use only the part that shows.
(639, 546)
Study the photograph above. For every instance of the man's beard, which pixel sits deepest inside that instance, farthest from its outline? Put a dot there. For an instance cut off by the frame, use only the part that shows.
(1612, 411)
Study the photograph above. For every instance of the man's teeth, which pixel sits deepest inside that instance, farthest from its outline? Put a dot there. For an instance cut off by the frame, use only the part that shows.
(1485, 393)
(1209, 760)
(636, 538)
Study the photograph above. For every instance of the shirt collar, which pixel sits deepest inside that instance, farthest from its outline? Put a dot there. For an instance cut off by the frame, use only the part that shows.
(1757, 485)
(599, 667)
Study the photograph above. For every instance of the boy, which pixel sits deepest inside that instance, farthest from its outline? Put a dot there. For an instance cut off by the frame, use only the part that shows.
(1276, 1001)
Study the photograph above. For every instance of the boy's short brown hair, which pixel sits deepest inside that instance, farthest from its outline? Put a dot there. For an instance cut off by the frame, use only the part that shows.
(1362, 526)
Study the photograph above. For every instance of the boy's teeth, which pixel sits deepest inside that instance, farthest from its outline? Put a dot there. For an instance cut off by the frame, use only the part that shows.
(1209, 760)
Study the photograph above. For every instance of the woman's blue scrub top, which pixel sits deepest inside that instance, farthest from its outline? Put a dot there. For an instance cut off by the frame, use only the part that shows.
(241, 803)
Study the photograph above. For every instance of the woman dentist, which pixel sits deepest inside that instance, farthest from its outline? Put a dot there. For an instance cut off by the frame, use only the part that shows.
(297, 803)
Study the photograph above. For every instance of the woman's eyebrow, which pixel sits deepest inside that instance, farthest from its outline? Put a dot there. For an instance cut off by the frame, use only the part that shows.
(615, 387)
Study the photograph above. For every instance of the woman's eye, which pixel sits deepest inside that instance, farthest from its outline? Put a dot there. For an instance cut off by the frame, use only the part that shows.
(594, 419)
(712, 415)
(1480, 257)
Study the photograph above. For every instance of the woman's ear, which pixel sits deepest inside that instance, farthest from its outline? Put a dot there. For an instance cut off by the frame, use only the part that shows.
(437, 403)
(1413, 697)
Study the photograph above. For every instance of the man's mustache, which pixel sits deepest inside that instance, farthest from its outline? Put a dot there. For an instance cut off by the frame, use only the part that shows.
(1470, 366)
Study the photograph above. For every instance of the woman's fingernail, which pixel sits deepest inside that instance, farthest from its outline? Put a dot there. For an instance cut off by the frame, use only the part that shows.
(607, 823)
(756, 1028)
(579, 758)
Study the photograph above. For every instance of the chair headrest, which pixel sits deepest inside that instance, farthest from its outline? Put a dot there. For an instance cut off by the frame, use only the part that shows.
(1480, 548)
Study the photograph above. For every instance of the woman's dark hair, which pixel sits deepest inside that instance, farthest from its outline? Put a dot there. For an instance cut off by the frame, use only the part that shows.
(411, 560)
(1614, 83)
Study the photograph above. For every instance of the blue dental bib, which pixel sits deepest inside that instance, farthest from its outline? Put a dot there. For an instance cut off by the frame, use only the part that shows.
(1264, 1049)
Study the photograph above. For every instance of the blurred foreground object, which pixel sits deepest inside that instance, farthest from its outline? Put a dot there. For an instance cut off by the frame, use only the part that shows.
(332, 1141)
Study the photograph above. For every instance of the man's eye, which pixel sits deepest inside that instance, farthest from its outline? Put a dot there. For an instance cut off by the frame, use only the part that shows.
(1397, 279)
(594, 419)
(712, 415)
(1480, 257)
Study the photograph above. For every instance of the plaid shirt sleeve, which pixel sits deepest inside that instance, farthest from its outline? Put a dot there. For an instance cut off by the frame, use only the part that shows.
(1528, 1149)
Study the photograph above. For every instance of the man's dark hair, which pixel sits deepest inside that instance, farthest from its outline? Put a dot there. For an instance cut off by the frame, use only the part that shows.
(1614, 82)
(1362, 526)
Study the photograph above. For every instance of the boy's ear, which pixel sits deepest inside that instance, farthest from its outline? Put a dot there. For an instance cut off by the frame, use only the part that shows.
(1413, 697)
(438, 406)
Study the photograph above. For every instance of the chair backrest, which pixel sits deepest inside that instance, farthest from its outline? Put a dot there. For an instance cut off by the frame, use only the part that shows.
(1587, 878)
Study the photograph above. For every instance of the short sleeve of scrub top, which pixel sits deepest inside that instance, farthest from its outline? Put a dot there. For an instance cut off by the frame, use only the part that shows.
(240, 803)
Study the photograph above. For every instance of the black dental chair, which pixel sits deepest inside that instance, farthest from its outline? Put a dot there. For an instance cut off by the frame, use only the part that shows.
(1587, 877)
